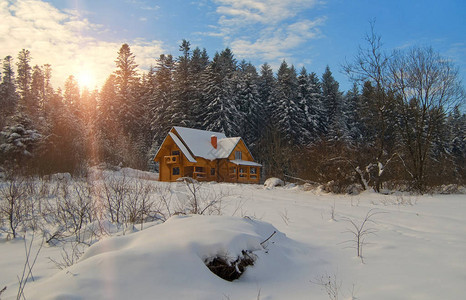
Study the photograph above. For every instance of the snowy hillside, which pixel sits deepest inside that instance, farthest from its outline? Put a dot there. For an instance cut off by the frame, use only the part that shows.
(417, 250)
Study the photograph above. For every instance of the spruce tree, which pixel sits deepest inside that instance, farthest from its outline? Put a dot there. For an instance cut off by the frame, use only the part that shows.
(287, 114)
(23, 81)
(162, 97)
(179, 111)
(316, 116)
(266, 86)
(8, 95)
(332, 104)
(249, 102)
(352, 115)
(219, 100)
(108, 127)
(127, 84)
(197, 66)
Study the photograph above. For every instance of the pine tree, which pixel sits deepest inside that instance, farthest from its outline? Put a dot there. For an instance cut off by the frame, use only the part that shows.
(332, 100)
(179, 111)
(197, 66)
(8, 95)
(108, 126)
(127, 83)
(23, 81)
(351, 115)
(266, 87)
(219, 100)
(63, 146)
(72, 118)
(316, 113)
(162, 97)
(48, 92)
(287, 114)
(19, 142)
(247, 92)
(309, 101)
(456, 125)
(72, 96)
(37, 92)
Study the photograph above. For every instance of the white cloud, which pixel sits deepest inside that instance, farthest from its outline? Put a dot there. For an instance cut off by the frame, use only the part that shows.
(263, 11)
(266, 29)
(155, 7)
(63, 39)
(277, 43)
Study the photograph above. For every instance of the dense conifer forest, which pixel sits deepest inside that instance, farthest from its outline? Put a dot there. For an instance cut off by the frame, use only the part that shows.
(400, 126)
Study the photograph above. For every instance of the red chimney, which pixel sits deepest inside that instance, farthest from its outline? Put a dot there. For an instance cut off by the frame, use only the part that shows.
(213, 141)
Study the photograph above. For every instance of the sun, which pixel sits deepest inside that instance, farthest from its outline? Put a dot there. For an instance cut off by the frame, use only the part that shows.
(86, 79)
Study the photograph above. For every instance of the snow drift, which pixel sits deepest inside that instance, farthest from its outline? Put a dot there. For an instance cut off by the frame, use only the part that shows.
(148, 264)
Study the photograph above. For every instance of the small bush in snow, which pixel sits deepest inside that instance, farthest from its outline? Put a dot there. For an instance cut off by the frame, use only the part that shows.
(195, 198)
(228, 268)
(361, 231)
(14, 208)
(330, 284)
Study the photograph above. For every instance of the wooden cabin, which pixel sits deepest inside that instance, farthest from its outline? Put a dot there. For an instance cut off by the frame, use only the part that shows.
(205, 156)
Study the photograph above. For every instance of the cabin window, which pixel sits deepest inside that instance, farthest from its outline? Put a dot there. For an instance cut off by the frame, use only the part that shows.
(238, 155)
(212, 171)
(176, 171)
(199, 169)
(233, 170)
(176, 152)
(253, 172)
(242, 172)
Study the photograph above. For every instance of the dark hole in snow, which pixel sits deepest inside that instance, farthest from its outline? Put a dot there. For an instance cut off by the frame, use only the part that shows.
(228, 269)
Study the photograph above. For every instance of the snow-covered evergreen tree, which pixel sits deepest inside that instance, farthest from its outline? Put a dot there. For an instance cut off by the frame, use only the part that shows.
(309, 100)
(127, 84)
(287, 114)
(266, 86)
(197, 66)
(162, 97)
(18, 141)
(352, 116)
(456, 125)
(179, 110)
(24, 77)
(316, 113)
(247, 92)
(332, 104)
(8, 95)
(219, 101)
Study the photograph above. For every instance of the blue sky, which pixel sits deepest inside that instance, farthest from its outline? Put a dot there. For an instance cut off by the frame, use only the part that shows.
(74, 35)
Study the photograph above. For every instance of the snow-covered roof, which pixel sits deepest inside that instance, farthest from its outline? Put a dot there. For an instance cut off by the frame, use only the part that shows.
(199, 143)
(245, 163)
(182, 147)
(225, 146)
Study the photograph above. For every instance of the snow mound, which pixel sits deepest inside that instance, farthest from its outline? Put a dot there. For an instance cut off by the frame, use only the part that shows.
(153, 263)
(272, 182)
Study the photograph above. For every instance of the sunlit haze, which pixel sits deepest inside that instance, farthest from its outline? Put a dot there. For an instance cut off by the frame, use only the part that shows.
(86, 79)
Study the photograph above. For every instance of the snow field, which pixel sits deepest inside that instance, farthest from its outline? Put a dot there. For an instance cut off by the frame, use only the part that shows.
(417, 252)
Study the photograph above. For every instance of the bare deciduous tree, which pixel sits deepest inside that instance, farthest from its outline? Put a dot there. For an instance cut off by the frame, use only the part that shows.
(371, 68)
(427, 87)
